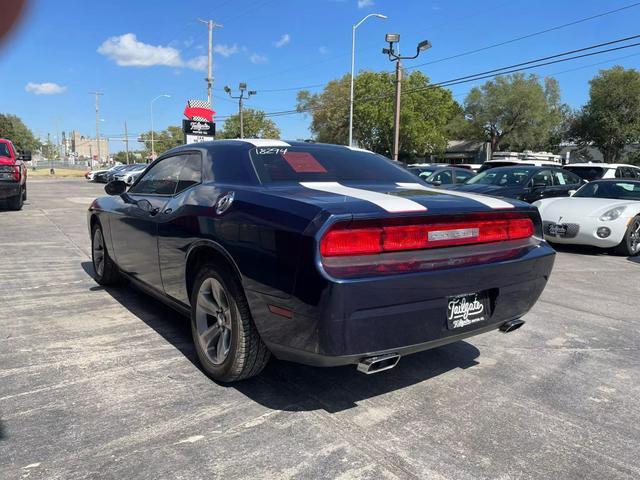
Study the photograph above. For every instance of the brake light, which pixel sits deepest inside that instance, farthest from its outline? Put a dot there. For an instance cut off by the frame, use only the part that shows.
(16, 173)
(342, 239)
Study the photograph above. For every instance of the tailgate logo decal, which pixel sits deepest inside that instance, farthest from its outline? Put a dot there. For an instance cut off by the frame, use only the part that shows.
(390, 203)
(462, 312)
(488, 201)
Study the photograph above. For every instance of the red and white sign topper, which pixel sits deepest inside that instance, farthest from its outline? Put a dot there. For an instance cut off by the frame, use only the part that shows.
(199, 110)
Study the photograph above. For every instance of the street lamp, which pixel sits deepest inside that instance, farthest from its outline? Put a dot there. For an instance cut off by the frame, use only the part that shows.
(242, 87)
(392, 38)
(153, 152)
(353, 63)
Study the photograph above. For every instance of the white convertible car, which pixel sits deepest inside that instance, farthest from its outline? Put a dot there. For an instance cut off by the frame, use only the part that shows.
(602, 213)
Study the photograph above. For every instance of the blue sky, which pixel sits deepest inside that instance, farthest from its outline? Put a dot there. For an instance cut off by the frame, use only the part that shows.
(134, 51)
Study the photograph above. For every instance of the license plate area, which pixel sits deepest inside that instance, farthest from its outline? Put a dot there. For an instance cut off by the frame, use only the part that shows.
(557, 230)
(467, 310)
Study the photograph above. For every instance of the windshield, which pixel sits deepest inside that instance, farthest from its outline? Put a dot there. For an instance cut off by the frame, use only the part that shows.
(610, 189)
(320, 164)
(502, 177)
(587, 173)
(496, 164)
(4, 150)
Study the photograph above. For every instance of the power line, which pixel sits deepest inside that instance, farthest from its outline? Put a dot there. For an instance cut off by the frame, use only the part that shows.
(530, 35)
(487, 74)
(470, 52)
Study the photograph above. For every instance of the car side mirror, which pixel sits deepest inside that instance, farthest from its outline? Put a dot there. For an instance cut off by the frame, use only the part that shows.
(115, 187)
(539, 186)
(436, 183)
(25, 156)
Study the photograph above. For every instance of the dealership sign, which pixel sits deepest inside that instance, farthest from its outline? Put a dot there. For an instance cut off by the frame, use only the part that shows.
(200, 126)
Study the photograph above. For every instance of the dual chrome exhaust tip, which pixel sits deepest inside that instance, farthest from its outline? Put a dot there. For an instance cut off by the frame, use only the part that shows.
(511, 325)
(380, 363)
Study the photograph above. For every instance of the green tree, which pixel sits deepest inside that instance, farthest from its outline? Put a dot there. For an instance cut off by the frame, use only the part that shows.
(256, 125)
(121, 157)
(516, 112)
(12, 128)
(611, 118)
(424, 113)
(164, 140)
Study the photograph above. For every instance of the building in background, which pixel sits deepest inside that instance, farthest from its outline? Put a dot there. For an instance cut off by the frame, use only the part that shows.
(84, 148)
(464, 151)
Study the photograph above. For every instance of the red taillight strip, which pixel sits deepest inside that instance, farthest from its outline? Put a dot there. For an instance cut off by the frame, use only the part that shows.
(344, 239)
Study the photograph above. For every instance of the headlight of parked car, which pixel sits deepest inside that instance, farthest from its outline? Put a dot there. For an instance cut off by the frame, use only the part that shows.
(612, 214)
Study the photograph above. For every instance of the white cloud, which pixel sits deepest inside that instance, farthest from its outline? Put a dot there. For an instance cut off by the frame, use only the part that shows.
(199, 63)
(226, 50)
(47, 88)
(284, 39)
(127, 51)
(323, 50)
(257, 58)
(365, 3)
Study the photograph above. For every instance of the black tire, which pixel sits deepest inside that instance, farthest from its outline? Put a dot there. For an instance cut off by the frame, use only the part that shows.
(16, 203)
(105, 270)
(630, 244)
(24, 194)
(246, 354)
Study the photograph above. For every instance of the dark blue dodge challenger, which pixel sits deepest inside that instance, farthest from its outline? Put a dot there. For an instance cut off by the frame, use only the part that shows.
(319, 254)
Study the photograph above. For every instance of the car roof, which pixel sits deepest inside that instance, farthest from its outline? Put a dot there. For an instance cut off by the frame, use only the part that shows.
(601, 165)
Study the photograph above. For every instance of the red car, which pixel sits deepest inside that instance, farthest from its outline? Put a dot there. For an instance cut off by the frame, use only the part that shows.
(13, 175)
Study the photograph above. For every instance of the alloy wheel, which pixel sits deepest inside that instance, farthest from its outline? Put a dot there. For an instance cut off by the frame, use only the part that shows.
(98, 252)
(213, 320)
(634, 236)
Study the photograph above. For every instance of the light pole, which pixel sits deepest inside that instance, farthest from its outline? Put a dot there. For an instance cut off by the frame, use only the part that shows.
(392, 38)
(153, 152)
(243, 88)
(353, 64)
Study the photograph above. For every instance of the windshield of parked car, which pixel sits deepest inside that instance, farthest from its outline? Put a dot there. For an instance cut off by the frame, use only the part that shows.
(502, 177)
(610, 189)
(322, 164)
(587, 173)
(421, 172)
(4, 150)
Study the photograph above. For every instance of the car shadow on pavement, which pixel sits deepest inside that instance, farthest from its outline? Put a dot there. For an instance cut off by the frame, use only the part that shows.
(294, 387)
(3, 434)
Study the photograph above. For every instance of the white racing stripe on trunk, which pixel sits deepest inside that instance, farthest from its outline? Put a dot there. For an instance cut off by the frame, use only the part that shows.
(390, 203)
(488, 201)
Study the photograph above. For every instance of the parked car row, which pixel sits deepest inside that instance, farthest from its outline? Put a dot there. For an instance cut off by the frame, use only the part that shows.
(584, 204)
(126, 173)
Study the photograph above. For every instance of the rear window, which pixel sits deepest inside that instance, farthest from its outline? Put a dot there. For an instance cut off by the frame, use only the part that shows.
(4, 150)
(587, 173)
(309, 164)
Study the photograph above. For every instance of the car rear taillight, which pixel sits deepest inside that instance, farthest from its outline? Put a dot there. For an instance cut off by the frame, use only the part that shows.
(368, 238)
(10, 172)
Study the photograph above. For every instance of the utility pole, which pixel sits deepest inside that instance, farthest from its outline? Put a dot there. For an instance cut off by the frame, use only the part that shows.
(126, 141)
(243, 88)
(392, 38)
(396, 114)
(98, 95)
(211, 25)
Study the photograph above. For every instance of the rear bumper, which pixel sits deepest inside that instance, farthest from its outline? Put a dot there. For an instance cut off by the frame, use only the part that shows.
(400, 314)
(9, 189)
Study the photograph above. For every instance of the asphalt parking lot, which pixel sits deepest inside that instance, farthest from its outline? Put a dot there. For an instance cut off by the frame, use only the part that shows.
(99, 383)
